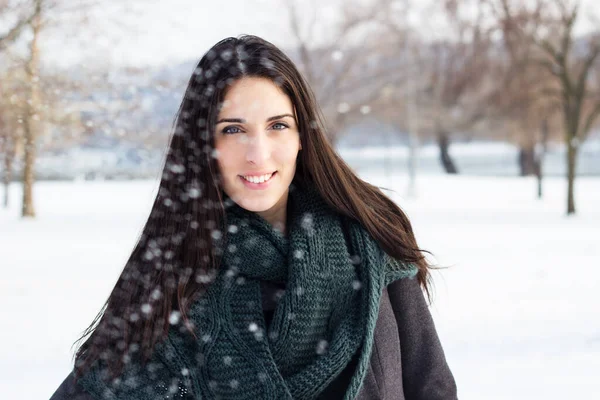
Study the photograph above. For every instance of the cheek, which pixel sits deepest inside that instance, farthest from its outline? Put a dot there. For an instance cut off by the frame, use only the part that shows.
(226, 159)
(286, 152)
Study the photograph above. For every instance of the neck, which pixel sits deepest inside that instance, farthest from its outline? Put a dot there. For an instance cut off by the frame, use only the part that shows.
(276, 215)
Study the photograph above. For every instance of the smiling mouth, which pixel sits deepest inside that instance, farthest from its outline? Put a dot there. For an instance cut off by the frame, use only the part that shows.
(259, 179)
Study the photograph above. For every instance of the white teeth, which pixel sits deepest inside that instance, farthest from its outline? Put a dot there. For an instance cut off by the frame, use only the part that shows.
(258, 179)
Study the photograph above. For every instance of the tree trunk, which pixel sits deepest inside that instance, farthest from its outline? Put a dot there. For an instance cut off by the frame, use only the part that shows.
(540, 179)
(571, 164)
(413, 136)
(527, 161)
(443, 141)
(540, 153)
(8, 161)
(412, 164)
(28, 209)
(538, 172)
(31, 118)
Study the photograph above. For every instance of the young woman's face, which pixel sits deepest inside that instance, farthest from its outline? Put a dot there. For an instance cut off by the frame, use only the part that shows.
(257, 141)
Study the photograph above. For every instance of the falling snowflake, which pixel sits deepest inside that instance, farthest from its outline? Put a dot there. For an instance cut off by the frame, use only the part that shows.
(298, 254)
(176, 168)
(203, 278)
(262, 377)
(230, 273)
(307, 223)
(322, 346)
(174, 317)
(343, 108)
(337, 55)
(194, 192)
(279, 293)
(146, 308)
(273, 335)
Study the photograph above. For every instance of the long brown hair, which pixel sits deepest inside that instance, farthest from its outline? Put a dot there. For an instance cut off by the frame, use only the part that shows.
(176, 258)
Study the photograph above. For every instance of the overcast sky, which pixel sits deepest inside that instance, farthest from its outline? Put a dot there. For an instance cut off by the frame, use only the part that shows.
(165, 32)
(169, 31)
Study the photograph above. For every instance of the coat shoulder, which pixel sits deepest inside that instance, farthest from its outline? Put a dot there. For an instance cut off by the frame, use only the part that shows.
(70, 390)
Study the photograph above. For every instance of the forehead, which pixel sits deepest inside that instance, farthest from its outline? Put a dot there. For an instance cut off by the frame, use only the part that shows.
(255, 96)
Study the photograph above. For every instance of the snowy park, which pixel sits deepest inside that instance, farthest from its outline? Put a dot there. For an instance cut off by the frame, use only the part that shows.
(515, 301)
(453, 108)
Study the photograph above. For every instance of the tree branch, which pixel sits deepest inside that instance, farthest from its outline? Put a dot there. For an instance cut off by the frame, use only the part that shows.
(304, 52)
(15, 31)
(552, 92)
(590, 120)
(587, 65)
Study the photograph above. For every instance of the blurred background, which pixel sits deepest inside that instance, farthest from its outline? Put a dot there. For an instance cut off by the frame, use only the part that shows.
(481, 118)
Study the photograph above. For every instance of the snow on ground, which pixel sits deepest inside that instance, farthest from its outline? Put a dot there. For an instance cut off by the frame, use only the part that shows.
(516, 309)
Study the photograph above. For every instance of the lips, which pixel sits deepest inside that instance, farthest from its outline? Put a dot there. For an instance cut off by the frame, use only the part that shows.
(256, 178)
(257, 184)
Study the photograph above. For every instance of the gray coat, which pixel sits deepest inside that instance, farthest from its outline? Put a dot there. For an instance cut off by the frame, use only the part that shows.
(407, 360)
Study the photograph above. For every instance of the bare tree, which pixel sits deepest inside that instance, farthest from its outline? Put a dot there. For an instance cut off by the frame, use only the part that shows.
(444, 77)
(548, 25)
(31, 117)
(457, 74)
(46, 18)
(527, 116)
(9, 136)
(344, 71)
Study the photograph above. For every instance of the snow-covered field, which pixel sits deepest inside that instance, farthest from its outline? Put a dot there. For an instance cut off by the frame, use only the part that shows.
(517, 309)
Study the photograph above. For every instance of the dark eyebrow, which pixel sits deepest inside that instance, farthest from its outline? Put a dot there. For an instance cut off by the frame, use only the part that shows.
(243, 121)
(279, 117)
(236, 120)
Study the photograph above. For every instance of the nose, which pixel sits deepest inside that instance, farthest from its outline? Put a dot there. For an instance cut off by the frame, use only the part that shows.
(258, 149)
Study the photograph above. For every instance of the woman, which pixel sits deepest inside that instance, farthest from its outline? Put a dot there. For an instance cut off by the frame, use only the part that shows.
(267, 268)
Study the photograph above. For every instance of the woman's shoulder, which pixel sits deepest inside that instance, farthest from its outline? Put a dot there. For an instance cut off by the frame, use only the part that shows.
(70, 390)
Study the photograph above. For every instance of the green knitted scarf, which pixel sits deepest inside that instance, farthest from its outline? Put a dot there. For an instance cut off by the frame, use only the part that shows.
(334, 274)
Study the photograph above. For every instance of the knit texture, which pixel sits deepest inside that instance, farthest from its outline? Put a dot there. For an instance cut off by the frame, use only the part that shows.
(334, 273)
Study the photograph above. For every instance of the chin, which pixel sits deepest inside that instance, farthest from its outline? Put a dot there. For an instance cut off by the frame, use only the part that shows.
(257, 205)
